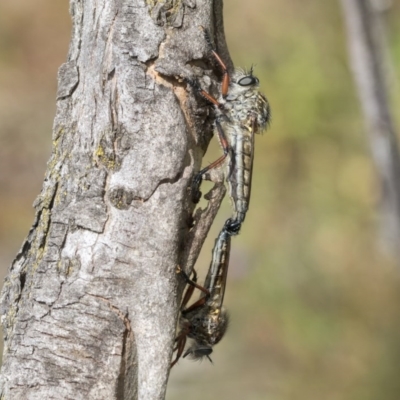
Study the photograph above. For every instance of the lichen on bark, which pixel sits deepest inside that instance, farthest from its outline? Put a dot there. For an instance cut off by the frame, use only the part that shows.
(90, 303)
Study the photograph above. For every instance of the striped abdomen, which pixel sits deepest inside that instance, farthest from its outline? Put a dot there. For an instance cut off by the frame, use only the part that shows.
(240, 171)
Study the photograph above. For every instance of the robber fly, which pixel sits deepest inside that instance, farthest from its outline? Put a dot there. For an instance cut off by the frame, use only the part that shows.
(242, 111)
(206, 320)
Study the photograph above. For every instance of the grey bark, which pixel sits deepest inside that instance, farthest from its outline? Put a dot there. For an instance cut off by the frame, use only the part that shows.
(90, 304)
(368, 56)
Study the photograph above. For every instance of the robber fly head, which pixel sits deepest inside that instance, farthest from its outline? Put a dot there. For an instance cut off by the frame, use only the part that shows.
(245, 79)
(244, 105)
(207, 328)
(198, 352)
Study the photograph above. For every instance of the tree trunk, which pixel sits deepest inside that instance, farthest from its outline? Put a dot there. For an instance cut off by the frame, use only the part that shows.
(90, 304)
(367, 54)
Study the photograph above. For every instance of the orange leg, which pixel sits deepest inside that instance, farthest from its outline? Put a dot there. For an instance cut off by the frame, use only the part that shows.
(199, 303)
(180, 346)
(182, 336)
(196, 194)
(196, 86)
(192, 284)
(225, 77)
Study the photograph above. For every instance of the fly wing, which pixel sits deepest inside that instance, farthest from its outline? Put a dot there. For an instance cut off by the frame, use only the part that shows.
(248, 150)
(217, 274)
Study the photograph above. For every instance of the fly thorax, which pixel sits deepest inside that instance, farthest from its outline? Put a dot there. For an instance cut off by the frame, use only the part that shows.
(240, 105)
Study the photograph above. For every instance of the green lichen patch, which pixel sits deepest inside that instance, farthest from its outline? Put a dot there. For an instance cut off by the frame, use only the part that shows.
(105, 151)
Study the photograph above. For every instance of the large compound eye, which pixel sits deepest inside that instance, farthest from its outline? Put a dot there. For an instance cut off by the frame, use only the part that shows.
(197, 353)
(248, 80)
(204, 351)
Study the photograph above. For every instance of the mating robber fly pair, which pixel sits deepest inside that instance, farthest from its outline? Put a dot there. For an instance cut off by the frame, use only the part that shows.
(241, 112)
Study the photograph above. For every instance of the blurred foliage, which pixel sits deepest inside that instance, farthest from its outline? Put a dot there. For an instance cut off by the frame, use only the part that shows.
(34, 39)
(314, 301)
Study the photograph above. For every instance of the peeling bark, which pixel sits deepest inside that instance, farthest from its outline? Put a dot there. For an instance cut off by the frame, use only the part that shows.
(90, 304)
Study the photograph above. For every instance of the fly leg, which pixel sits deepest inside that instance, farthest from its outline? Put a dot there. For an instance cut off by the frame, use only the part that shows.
(196, 194)
(192, 284)
(180, 344)
(180, 340)
(209, 97)
(225, 76)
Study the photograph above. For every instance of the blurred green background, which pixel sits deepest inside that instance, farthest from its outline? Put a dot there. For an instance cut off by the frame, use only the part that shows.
(314, 302)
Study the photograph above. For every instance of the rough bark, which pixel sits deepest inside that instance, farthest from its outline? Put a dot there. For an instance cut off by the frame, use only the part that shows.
(90, 304)
(367, 50)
